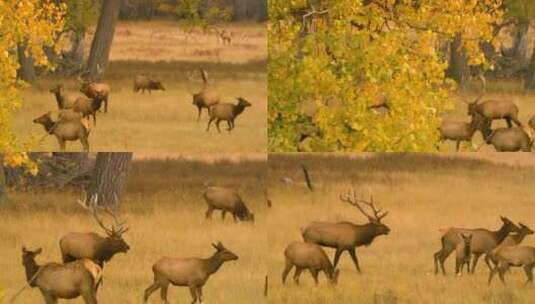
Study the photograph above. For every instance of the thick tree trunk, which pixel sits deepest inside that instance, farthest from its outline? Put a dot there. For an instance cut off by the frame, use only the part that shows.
(458, 68)
(109, 177)
(529, 81)
(102, 41)
(2, 179)
(521, 51)
(26, 70)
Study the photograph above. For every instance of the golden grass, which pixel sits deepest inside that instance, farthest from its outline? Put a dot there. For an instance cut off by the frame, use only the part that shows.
(166, 216)
(422, 193)
(165, 121)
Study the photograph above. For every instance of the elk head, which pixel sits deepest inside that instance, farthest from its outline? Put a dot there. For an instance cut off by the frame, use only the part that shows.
(223, 253)
(375, 220)
(525, 229)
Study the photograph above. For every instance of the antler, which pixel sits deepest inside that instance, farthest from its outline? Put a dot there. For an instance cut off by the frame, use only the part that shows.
(204, 75)
(117, 229)
(352, 198)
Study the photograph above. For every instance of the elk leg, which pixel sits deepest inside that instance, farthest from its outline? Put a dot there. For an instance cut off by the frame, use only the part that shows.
(217, 125)
(199, 108)
(163, 293)
(353, 255)
(457, 146)
(209, 123)
(314, 273)
(199, 294)
(89, 297)
(229, 125)
(61, 142)
(94, 118)
(336, 257)
(286, 270)
(235, 217)
(297, 274)
(193, 292)
(223, 213)
(50, 299)
(508, 120)
(209, 212)
(106, 105)
(501, 272)
(474, 263)
(488, 261)
(152, 288)
(492, 273)
(85, 143)
(528, 269)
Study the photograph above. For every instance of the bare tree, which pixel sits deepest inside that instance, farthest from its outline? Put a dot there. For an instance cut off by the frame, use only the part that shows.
(109, 177)
(102, 41)
(458, 68)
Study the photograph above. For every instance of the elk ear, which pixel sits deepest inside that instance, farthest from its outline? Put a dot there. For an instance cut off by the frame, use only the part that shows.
(215, 246)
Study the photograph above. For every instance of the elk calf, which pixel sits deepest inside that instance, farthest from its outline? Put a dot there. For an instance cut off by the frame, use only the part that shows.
(227, 112)
(516, 256)
(308, 256)
(191, 272)
(463, 254)
(94, 89)
(67, 281)
(226, 200)
(510, 140)
(142, 82)
(71, 129)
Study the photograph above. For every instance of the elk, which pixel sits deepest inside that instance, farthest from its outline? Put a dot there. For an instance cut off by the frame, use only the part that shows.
(226, 37)
(463, 254)
(346, 236)
(206, 97)
(88, 107)
(308, 256)
(64, 100)
(90, 245)
(227, 112)
(69, 126)
(95, 89)
(461, 131)
(483, 240)
(62, 281)
(495, 109)
(510, 140)
(510, 240)
(191, 272)
(142, 82)
(226, 200)
(516, 256)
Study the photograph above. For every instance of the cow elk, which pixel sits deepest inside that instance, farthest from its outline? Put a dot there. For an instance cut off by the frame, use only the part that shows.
(90, 245)
(510, 140)
(346, 236)
(483, 240)
(227, 112)
(95, 89)
(142, 83)
(511, 240)
(62, 281)
(463, 254)
(88, 107)
(64, 100)
(516, 256)
(69, 126)
(309, 256)
(206, 97)
(191, 272)
(226, 200)
(462, 131)
(495, 109)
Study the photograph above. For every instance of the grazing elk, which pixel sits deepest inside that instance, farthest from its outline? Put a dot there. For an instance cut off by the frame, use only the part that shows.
(191, 272)
(511, 240)
(461, 131)
(227, 112)
(90, 245)
(88, 107)
(94, 89)
(206, 97)
(63, 99)
(510, 140)
(62, 281)
(463, 254)
(495, 109)
(346, 236)
(226, 200)
(142, 82)
(516, 256)
(69, 126)
(308, 256)
(483, 240)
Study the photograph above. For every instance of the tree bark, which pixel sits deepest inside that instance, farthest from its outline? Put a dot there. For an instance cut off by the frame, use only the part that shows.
(102, 41)
(2, 179)
(109, 178)
(458, 68)
(26, 70)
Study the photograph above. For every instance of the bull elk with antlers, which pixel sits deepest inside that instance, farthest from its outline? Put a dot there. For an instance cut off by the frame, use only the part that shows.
(90, 245)
(347, 236)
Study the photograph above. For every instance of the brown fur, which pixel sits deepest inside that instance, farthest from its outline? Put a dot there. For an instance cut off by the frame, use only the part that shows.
(308, 256)
(191, 272)
(91, 246)
(142, 82)
(461, 131)
(227, 112)
(226, 200)
(510, 240)
(94, 89)
(496, 109)
(64, 100)
(206, 98)
(510, 140)
(514, 256)
(62, 281)
(70, 126)
(88, 107)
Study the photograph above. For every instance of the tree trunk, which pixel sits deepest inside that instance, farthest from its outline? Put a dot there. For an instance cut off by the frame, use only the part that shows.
(458, 68)
(102, 41)
(26, 70)
(2, 179)
(529, 81)
(521, 51)
(109, 178)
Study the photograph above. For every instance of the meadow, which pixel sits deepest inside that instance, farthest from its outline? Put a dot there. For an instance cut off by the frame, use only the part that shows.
(423, 193)
(165, 121)
(165, 214)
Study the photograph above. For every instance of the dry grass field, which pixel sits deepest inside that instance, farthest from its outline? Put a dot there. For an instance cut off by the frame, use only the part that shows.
(166, 215)
(166, 121)
(422, 193)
